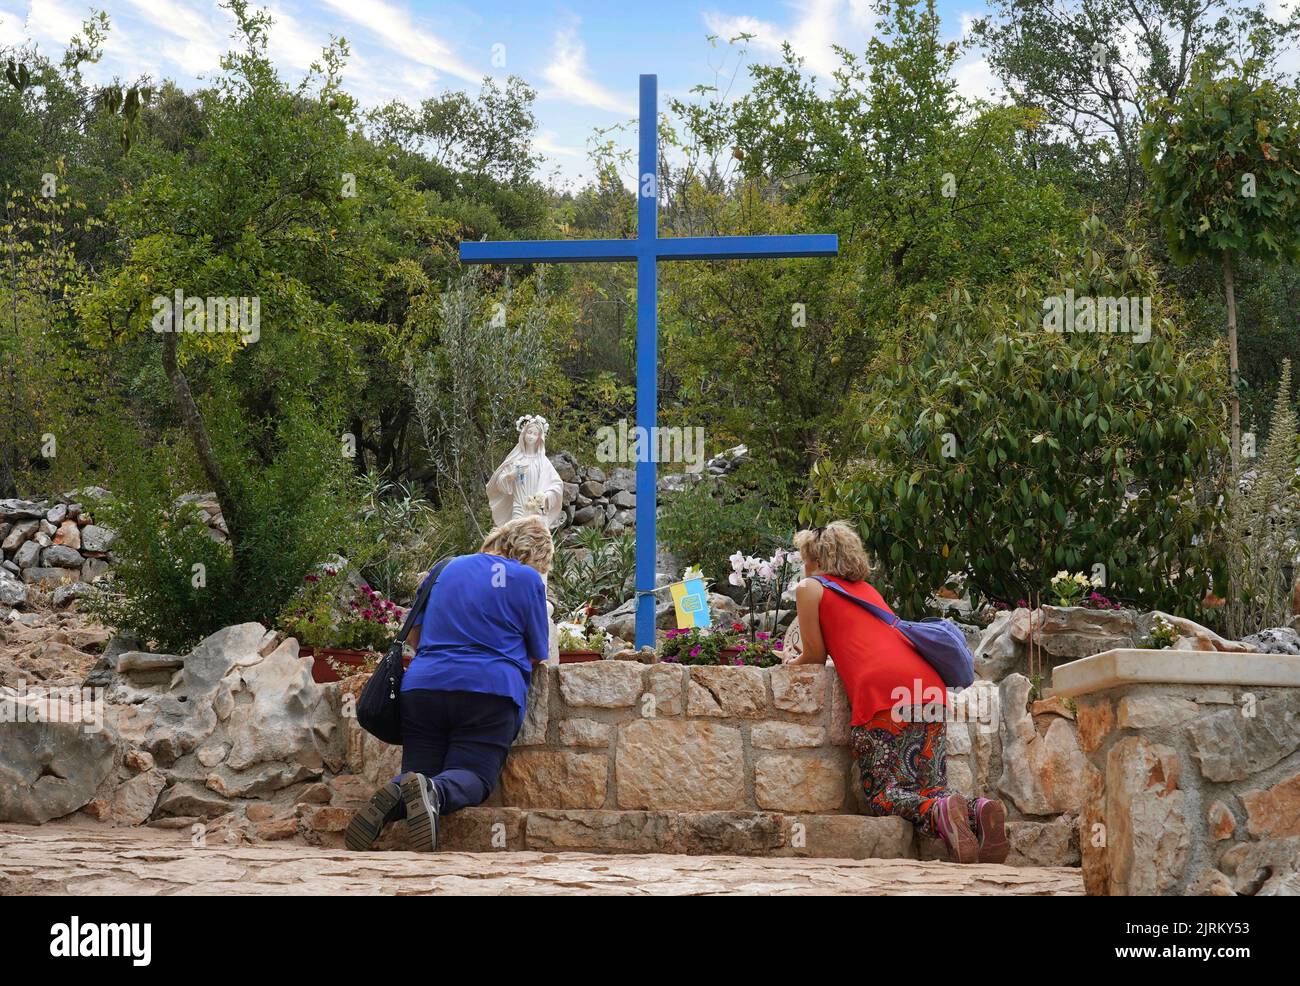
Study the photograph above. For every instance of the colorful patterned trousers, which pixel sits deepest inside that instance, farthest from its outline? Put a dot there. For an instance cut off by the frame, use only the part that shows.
(903, 766)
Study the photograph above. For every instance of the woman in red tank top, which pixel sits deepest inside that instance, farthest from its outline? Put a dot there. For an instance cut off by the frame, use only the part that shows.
(899, 701)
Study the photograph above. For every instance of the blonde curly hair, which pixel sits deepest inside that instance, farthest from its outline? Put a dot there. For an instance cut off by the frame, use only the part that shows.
(834, 549)
(525, 539)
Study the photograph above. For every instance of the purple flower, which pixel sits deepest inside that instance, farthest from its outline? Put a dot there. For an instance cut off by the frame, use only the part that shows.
(778, 645)
(762, 635)
(695, 651)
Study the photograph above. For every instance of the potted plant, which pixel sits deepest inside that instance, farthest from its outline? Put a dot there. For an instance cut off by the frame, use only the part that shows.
(695, 645)
(342, 627)
(580, 641)
(761, 652)
(727, 646)
(765, 581)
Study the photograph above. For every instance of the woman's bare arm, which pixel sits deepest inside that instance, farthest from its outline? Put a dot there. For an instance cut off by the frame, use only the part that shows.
(807, 598)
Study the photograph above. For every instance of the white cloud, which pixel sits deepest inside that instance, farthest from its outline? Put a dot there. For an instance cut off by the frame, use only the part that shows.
(289, 44)
(818, 25)
(51, 22)
(203, 38)
(570, 77)
(12, 31)
(394, 27)
(545, 143)
(975, 79)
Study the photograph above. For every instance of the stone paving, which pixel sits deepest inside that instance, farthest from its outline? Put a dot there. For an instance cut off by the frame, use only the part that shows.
(79, 858)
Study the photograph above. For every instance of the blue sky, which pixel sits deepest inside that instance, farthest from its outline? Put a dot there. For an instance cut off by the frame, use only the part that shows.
(582, 57)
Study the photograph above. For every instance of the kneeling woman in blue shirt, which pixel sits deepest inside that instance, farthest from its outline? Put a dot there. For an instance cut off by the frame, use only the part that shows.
(463, 697)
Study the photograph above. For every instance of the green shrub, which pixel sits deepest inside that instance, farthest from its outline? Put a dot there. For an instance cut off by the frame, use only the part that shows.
(1258, 541)
(297, 510)
(708, 521)
(1005, 453)
(171, 580)
(592, 567)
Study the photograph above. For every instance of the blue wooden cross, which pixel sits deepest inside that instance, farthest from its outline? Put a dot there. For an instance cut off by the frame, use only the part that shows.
(647, 250)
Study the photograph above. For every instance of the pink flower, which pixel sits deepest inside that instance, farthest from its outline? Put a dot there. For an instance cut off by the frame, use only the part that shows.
(762, 635)
(695, 651)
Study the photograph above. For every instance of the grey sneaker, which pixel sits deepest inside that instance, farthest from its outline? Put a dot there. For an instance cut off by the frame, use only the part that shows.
(366, 824)
(422, 808)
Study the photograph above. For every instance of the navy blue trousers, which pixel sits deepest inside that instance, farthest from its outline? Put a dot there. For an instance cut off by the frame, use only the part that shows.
(459, 740)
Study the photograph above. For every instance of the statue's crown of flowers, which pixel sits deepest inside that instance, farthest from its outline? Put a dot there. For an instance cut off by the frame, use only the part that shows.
(533, 419)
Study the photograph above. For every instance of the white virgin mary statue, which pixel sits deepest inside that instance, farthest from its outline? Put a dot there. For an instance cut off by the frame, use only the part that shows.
(526, 482)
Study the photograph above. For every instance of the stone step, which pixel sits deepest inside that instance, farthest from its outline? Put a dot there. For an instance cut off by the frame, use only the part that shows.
(737, 833)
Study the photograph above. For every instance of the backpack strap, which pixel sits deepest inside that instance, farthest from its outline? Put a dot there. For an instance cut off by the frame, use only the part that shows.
(886, 617)
(421, 600)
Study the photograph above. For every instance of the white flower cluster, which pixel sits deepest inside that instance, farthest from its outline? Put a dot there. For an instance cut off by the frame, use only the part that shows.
(1078, 578)
(764, 569)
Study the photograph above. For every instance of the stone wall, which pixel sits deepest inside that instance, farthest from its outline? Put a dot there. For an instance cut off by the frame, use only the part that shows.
(660, 740)
(606, 498)
(54, 544)
(1193, 776)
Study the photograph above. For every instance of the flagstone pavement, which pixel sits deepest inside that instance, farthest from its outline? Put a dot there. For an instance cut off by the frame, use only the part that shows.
(74, 858)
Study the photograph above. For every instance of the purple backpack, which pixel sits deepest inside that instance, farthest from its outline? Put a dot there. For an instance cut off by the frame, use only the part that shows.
(939, 641)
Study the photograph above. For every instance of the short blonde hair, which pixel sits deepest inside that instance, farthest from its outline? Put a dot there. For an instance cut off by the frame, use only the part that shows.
(834, 549)
(525, 539)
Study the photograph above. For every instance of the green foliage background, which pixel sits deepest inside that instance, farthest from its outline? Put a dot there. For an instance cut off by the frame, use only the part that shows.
(955, 217)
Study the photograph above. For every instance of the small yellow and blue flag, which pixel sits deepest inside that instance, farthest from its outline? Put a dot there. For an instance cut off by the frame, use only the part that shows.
(691, 600)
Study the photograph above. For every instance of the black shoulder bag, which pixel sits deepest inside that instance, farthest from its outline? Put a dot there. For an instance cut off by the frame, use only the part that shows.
(378, 710)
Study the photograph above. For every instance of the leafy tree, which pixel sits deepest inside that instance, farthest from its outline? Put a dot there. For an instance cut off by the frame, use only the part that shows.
(1000, 453)
(470, 390)
(923, 189)
(255, 210)
(1224, 164)
(1092, 66)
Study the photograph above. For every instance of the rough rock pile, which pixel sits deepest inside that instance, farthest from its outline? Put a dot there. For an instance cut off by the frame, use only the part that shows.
(236, 731)
(1068, 633)
(53, 649)
(54, 543)
(596, 497)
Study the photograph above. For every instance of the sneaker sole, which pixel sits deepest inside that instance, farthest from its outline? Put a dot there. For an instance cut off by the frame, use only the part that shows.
(363, 831)
(993, 818)
(962, 844)
(421, 814)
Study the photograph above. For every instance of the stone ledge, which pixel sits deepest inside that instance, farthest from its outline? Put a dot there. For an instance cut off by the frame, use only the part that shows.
(692, 833)
(1132, 666)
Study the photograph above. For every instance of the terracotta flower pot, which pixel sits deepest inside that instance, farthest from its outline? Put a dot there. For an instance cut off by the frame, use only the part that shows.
(578, 656)
(728, 655)
(321, 671)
